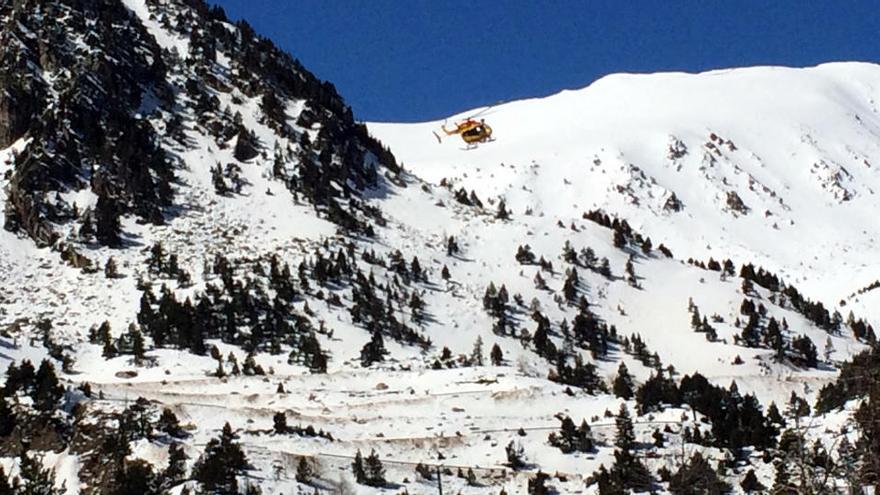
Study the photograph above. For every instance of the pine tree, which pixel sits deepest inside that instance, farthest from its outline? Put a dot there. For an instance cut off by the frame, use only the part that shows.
(416, 269)
(304, 472)
(19, 378)
(279, 421)
(8, 418)
(374, 350)
(137, 476)
(232, 360)
(782, 483)
(585, 442)
(631, 278)
(416, 307)
(176, 469)
(375, 471)
(619, 239)
(48, 392)
(451, 246)
(538, 484)
(797, 406)
(502, 213)
(477, 352)
(696, 321)
(357, 468)
(471, 478)
(136, 421)
(219, 465)
(105, 338)
(697, 476)
(868, 423)
(110, 268)
(497, 356)
(35, 479)
(570, 287)
(138, 346)
(628, 472)
(750, 483)
(107, 228)
(605, 483)
(524, 255)
(169, 424)
(623, 386)
(806, 350)
(515, 455)
(570, 438)
(5, 487)
(625, 437)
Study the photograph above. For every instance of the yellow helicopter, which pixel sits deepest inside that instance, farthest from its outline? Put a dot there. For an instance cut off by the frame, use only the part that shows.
(472, 131)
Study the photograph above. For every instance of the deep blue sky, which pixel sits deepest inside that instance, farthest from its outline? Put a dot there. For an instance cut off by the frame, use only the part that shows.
(409, 60)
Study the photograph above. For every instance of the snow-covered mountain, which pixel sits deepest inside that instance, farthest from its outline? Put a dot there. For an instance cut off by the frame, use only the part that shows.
(772, 165)
(193, 219)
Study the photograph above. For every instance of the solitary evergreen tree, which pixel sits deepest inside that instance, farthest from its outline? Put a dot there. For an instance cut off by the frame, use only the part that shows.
(304, 471)
(502, 213)
(515, 455)
(496, 355)
(110, 268)
(623, 386)
(477, 353)
(451, 246)
(280, 423)
(471, 477)
(374, 350)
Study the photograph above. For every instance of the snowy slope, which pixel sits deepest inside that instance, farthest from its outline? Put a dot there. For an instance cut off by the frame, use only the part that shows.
(799, 147)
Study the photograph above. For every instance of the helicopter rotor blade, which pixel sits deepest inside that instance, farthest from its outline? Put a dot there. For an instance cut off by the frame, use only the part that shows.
(483, 111)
